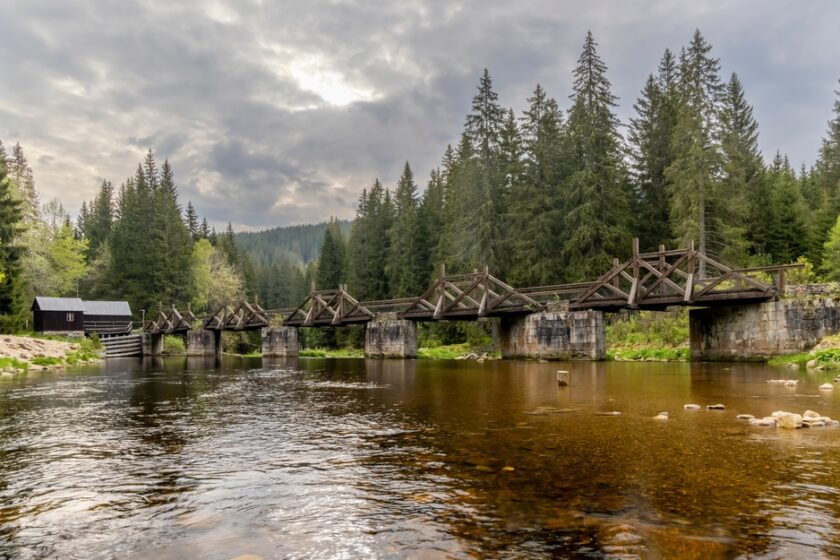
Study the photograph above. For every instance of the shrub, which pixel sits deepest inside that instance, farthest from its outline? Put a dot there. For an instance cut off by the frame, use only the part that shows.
(173, 345)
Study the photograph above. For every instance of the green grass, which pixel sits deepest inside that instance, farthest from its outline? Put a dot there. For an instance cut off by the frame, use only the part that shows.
(649, 354)
(448, 352)
(332, 353)
(46, 361)
(13, 363)
(827, 359)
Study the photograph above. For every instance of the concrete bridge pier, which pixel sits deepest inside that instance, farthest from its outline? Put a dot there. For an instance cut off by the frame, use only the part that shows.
(554, 335)
(203, 342)
(152, 344)
(280, 342)
(761, 330)
(389, 337)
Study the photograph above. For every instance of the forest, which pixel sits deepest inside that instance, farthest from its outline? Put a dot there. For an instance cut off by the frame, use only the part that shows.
(547, 196)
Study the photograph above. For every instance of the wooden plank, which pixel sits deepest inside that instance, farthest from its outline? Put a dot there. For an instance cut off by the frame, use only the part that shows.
(689, 288)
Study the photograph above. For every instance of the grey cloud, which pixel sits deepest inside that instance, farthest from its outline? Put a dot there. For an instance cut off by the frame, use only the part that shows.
(222, 88)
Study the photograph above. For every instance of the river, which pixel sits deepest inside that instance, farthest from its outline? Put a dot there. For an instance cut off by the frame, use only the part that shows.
(316, 458)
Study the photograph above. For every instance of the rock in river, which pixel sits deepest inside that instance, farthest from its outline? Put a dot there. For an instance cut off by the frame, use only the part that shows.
(691, 406)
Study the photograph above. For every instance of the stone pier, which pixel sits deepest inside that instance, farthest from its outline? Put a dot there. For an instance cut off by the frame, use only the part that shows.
(152, 344)
(279, 342)
(389, 337)
(554, 335)
(762, 330)
(204, 343)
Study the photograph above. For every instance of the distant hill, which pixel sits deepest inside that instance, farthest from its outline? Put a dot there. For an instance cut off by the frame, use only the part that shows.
(300, 244)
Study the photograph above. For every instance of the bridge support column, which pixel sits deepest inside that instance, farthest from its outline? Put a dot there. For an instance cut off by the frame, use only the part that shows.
(761, 330)
(152, 344)
(389, 337)
(204, 342)
(554, 335)
(279, 342)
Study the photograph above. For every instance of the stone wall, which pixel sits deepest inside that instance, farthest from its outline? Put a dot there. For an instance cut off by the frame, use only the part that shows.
(204, 343)
(389, 337)
(152, 344)
(279, 342)
(554, 335)
(760, 331)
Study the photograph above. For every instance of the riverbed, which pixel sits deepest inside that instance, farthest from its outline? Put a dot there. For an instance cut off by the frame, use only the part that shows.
(353, 458)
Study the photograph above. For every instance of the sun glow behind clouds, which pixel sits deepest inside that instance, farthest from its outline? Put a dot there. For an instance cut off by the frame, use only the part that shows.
(328, 84)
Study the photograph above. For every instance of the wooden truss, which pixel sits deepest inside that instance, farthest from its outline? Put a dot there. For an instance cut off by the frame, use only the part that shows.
(467, 296)
(329, 307)
(171, 323)
(679, 277)
(243, 317)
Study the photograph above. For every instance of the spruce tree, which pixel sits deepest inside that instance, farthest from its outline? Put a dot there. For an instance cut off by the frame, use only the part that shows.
(696, 162)
(407, 260)
(192, 222)
(788, 235)
(827, 178)
(11, 253)
(330, 271)
(597, 212)
(742, 164)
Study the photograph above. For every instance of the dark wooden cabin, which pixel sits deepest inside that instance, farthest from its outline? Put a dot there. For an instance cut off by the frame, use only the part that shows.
(60, 315)
(107, 317)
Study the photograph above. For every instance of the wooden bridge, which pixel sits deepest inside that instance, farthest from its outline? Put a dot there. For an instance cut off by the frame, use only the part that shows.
(655, 281)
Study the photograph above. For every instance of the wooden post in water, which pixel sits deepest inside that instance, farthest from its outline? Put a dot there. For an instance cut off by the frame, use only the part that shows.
(562, 378)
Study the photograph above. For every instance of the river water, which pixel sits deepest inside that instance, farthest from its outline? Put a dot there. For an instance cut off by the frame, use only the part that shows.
(317, 458)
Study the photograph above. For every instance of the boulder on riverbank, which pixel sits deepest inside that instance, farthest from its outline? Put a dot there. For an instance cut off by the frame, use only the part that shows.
(21, 353)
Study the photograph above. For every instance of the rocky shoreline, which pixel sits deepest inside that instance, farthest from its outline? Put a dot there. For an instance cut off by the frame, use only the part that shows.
(24, 353)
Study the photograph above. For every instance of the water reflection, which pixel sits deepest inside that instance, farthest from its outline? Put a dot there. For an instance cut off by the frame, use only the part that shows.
(356, 458)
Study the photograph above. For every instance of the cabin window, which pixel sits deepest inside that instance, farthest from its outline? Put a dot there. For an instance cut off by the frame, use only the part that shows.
(71, 317)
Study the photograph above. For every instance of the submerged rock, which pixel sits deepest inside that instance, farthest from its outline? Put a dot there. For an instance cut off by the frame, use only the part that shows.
(691, 406)
(812, 364)
(745, 417)
(661, 416)
(715, 407)
(767, 421)
(785, 382)
(826, 387)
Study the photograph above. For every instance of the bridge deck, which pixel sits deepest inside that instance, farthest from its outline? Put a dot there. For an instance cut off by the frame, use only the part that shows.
(682, 277)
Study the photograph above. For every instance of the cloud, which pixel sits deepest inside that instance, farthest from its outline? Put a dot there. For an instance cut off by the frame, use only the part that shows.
(274, 113)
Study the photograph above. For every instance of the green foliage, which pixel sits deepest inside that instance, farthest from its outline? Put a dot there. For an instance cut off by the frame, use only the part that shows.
(649, 328)
(11, 253)
(831, 253)
(46, 361)
(174, 345)
(803, 275)
(332, 353)
(13, 363)
(650, 354)
(331, 262)
(448, 352)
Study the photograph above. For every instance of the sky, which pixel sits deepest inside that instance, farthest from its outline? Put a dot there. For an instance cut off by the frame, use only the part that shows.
(280, 113)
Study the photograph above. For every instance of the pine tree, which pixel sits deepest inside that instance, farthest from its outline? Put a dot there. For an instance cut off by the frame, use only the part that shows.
(650, 153)
(788, 235)
(534, 208)
(827, 178)
(23, 185)
(741, 173)
(407, 260)
(204, 230)
(596, 202)
(696, 161)
(330, 271)
(192, 222)
(11, 253)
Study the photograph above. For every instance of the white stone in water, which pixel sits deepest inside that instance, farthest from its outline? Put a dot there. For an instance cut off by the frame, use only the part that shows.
(691, 406)
(661, 416)
(715, 407)
(812, 364)
(813, 423)
(785, 382)
(767, 421)
(745, 417)
(833, 424)
(826, 387)
(810, 414)
(789, 420)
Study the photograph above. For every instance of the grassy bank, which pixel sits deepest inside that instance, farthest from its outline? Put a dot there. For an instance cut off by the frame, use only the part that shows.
(649, 336)
(826, 356)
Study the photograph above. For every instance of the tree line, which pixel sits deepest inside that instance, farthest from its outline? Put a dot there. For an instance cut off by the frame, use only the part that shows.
(546, 196)
(553, 195)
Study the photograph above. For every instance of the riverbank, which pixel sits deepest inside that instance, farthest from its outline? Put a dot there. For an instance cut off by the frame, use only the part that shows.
(20, 354)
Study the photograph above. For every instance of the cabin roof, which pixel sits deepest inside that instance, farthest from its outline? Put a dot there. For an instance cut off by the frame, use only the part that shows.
(115, 308)
(58, 304)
